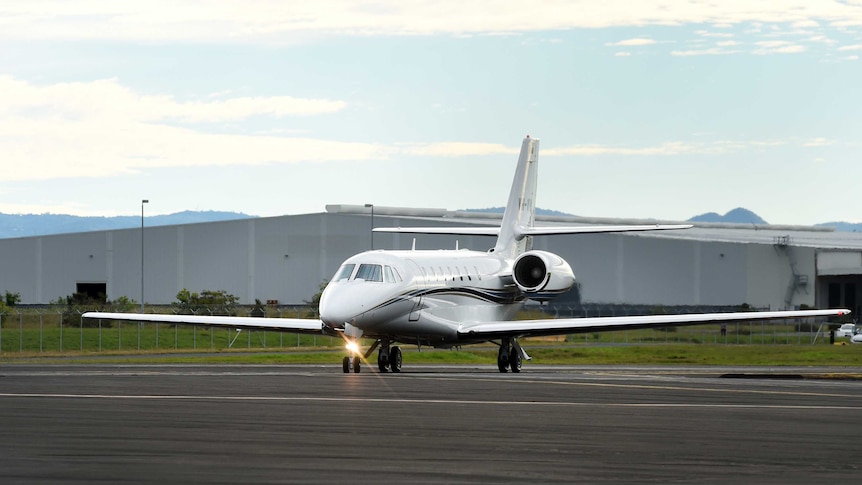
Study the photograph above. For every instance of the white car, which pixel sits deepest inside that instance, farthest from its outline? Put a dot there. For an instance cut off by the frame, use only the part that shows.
(846, 330)
(856, 339)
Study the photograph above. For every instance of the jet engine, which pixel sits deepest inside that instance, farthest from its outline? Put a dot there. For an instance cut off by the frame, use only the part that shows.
(542, 275)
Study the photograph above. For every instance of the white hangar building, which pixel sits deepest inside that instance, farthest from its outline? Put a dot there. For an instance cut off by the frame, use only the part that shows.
(285, 259)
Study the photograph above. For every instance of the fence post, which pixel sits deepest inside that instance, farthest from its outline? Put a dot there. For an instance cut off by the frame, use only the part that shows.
(40, 331)
(60, 314)
(20, 331)
(81, 330)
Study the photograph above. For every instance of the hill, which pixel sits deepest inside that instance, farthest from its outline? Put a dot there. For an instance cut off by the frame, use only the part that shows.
(738, 216)
(24, 225)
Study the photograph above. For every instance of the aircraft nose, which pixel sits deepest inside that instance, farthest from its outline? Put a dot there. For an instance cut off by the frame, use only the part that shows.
(337, 308)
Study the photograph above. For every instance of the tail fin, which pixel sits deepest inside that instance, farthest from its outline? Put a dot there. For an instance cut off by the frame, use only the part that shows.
(521, 207)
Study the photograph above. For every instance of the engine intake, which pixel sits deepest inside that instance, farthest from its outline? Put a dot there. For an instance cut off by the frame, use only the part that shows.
(542, 275)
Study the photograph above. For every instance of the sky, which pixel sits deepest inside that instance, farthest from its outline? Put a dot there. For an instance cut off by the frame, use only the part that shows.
(658, 109)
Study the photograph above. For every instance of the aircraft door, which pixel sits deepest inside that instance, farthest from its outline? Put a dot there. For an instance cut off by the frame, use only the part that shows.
(416, 312)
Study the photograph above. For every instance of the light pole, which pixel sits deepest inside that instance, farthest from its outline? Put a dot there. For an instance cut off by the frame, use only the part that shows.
(145, 201)
(372, 224)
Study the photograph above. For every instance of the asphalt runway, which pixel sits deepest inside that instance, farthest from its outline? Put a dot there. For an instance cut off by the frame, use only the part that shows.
(313, 424)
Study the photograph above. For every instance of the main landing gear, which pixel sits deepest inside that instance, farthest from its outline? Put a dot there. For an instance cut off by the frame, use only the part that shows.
(388, 358)
(509, 355)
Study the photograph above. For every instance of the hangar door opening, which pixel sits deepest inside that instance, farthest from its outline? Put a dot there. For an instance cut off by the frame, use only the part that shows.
(95, 291)
(839, 276)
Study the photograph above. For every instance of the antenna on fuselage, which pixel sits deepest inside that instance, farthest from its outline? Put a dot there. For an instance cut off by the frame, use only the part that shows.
(414, 245)
(456, 245)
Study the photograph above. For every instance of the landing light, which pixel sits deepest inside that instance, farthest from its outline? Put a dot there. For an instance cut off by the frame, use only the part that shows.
(352, 347)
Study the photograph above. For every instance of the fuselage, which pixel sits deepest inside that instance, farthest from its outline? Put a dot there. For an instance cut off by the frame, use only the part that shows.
(419, 296)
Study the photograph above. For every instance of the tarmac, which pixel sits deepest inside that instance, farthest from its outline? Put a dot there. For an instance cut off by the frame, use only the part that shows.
(171, 424)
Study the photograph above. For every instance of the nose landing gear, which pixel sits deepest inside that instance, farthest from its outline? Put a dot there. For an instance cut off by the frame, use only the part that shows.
(355, 363)
(388, 357)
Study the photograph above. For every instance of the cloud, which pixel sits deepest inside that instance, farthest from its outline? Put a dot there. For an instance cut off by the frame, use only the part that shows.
(107, 98)
(777, 47)
(712, 51)
(622, 54)
(263, 21)
(632, 42)
(821, 38)
(856, 47)
(818, 142)
(455, 149)
(103, 128)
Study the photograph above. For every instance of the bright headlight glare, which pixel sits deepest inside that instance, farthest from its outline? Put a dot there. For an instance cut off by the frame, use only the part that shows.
(352, 347)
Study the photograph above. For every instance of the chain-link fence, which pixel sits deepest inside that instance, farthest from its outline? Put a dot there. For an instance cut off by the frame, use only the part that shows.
(61, 329)
(48, 330)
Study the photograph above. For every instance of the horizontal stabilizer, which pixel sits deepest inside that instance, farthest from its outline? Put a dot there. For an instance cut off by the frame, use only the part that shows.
(532, 231)
(456, 230)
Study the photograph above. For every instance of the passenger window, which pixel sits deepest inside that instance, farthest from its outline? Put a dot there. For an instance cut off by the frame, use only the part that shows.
(370, 272)
(344, 272)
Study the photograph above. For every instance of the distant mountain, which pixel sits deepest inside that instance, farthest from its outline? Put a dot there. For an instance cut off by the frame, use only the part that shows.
(738, 216)
(843, 226)
(24, 225)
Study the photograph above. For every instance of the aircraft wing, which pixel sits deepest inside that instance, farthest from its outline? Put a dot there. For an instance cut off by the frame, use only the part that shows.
(532, 231)
(565, 326)
(292, 325)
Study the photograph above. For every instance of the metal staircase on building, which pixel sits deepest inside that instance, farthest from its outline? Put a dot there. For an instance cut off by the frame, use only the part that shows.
(798, 282)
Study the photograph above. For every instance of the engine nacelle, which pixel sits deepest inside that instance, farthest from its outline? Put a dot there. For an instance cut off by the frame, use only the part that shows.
(542, 275)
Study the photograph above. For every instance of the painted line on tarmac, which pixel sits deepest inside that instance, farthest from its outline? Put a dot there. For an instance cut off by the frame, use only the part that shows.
(649, 387)
(180, 397)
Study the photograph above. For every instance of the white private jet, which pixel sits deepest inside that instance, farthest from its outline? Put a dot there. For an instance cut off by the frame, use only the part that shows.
(446, 298)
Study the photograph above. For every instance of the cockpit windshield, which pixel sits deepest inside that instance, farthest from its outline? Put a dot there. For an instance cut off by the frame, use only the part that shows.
(370, 272)
(344, 272)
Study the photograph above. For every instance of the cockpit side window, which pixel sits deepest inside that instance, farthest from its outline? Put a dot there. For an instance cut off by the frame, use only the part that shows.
(387, 274)
(370, 272)
(344, 272)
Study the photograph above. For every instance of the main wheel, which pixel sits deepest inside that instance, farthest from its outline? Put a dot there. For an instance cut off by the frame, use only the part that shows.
(357, 363)
(345, 365)
(382, 362)
(395, 358)
(503, 359)
(515, 361)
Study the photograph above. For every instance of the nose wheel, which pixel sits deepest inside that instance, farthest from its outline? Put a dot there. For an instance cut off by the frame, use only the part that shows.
(354, 363)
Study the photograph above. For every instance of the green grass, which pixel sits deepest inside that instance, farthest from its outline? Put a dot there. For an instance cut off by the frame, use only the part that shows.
(671, 354)
(744, 344)
(124, 337)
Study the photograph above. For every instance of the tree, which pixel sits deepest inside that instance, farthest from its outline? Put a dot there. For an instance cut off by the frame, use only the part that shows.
(314, 303)
(12, 299)
(216, 302)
